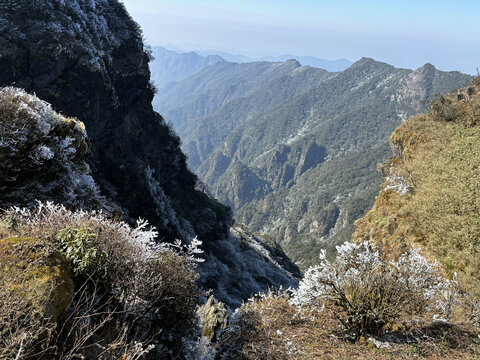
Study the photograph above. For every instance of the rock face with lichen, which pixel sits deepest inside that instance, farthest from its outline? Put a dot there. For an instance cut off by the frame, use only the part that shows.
(43, 155)
(213, 318)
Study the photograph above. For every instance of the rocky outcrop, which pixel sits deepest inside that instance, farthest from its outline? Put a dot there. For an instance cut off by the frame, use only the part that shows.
(213, 318)
(312, 156)
(245, 185)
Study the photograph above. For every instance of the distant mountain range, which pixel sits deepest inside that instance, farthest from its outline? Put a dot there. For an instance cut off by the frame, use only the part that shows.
(170, 66)
(293, 149)
(329, 65)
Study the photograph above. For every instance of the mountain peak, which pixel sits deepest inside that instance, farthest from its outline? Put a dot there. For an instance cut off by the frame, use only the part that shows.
(370, 64)
(427, 68)
(293, 62)
(363, 61)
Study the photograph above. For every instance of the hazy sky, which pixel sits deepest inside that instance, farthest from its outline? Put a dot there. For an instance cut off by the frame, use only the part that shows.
(401, 32)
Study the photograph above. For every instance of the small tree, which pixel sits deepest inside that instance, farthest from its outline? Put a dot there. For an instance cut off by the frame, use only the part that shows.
(365, 292)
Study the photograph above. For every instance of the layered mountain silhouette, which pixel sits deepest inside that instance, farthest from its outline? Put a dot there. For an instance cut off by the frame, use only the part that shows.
(169, 66)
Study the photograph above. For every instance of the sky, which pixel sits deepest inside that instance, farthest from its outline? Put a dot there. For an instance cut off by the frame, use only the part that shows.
(403, 33)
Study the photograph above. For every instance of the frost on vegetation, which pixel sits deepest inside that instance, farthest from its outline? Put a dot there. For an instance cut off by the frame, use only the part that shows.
(43, 154)
(143, 237)
(367, 292)
(398, 184)
(54, 217)
(89, 26)
(146, 283)
(198, 349)
(165, 210)
(261, 329)
(85, 31)
(21, 107)
(190, 251)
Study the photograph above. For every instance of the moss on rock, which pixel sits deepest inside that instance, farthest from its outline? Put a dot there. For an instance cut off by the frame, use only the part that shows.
(30, 272)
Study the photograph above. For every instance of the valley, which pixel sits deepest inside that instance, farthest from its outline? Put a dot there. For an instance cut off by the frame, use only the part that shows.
(293, 149)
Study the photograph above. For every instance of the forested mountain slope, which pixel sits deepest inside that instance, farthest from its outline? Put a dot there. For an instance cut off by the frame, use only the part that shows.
(293, 149)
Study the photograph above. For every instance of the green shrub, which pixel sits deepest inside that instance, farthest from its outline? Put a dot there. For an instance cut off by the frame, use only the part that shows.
(444, 108)
(78, 245)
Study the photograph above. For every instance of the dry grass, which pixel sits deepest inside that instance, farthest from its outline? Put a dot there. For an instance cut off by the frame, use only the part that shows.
(440, 157)
(273, 329)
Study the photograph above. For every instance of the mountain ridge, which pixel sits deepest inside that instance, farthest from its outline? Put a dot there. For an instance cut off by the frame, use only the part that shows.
(329, 65)
(252, 145)
(169, 66)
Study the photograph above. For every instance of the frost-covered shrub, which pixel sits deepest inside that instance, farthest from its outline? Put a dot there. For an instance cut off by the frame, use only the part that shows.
(366, 293)
(128, 285)
(43, 155)
(198, 349)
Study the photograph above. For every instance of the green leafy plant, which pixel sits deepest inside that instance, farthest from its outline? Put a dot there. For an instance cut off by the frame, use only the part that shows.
(78, 245)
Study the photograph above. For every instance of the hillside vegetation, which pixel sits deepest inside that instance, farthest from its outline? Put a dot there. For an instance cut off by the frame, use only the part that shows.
(430, 197)
(385, 295)
(293, 149)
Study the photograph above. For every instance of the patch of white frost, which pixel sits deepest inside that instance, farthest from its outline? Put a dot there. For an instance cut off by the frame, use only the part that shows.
(397, 183)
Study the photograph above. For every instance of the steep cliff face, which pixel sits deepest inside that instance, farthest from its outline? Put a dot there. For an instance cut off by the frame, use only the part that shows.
(430, 195)
(87, 59)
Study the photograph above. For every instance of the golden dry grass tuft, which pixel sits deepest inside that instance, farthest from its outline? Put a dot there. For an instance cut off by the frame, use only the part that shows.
(273, 329)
